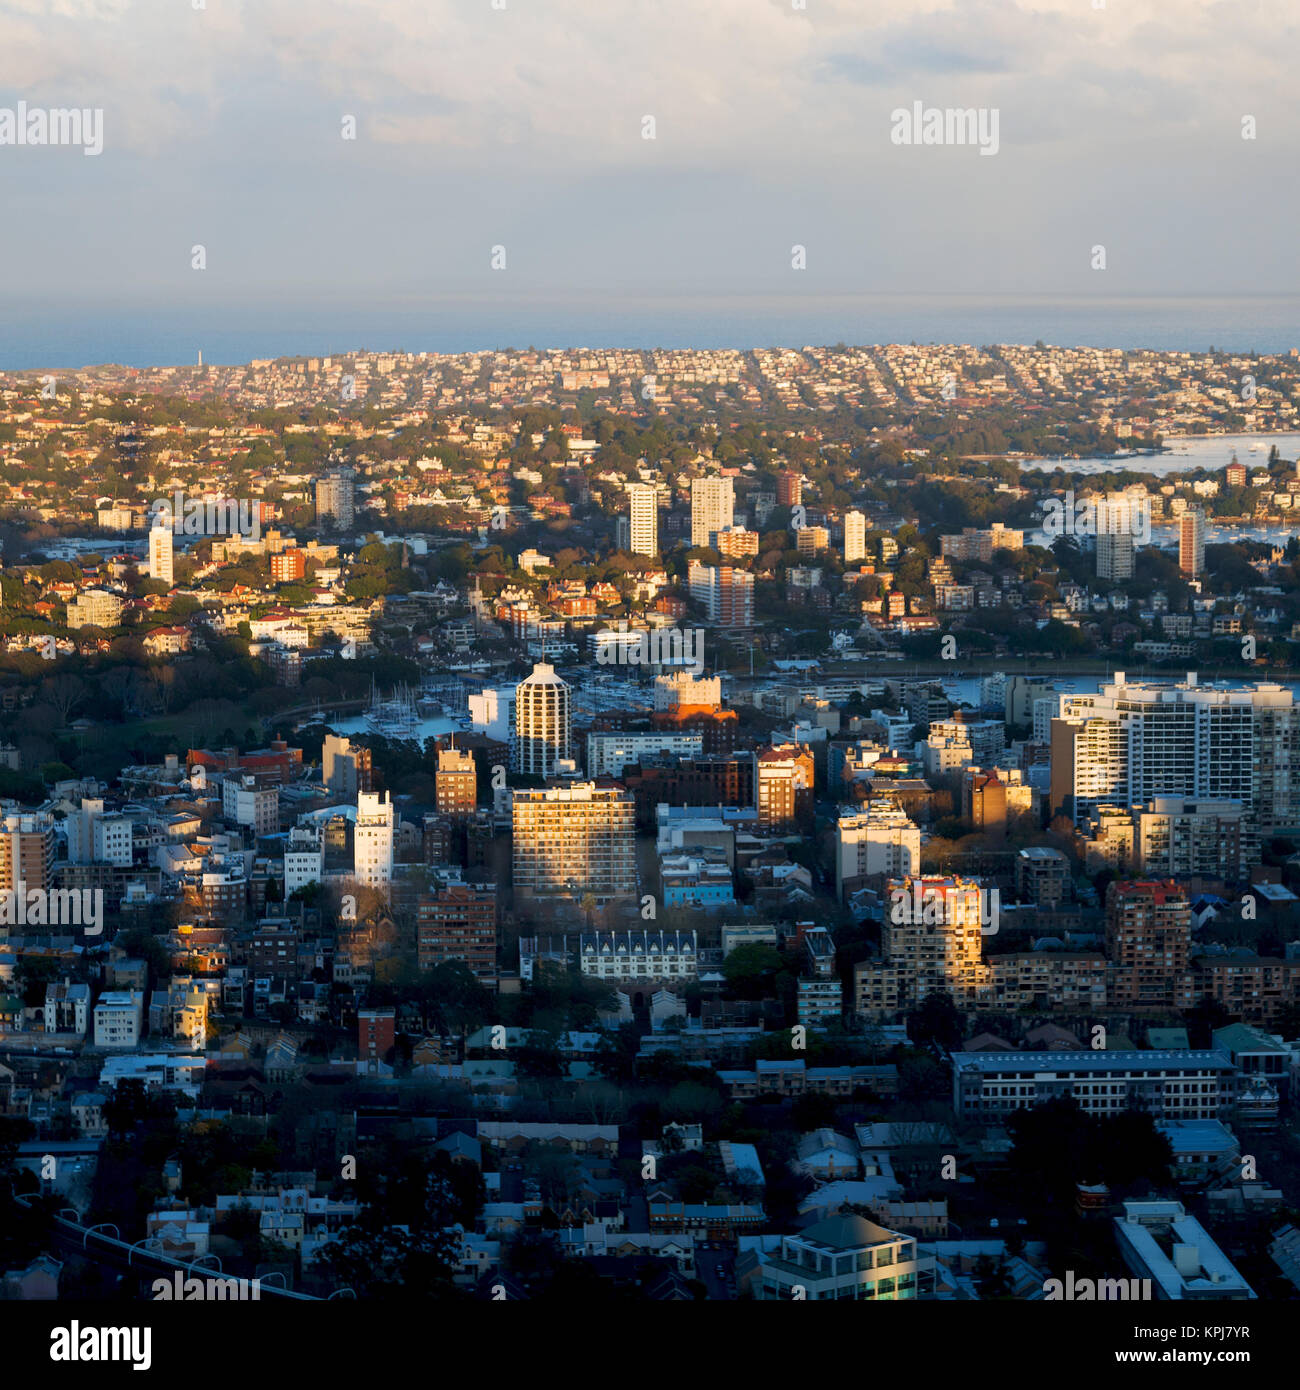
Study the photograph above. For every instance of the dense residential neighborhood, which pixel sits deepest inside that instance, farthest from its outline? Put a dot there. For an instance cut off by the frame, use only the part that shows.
(498, 831)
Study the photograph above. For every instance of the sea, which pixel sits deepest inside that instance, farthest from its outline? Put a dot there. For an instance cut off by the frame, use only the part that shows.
(43, 333)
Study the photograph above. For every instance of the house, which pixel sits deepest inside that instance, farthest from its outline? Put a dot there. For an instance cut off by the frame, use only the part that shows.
(826, 1155)
(88, 1114)
(463, 1148)
(39, 1282)
(514, 1135)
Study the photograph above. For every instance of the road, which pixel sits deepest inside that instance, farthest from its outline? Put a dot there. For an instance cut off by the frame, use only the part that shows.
(716, 1270)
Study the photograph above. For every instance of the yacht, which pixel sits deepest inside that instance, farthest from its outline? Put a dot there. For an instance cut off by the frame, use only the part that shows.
(396, 717)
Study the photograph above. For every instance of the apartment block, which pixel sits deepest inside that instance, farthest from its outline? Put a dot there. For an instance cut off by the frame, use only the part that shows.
(458, 922)
(1197, 1085)
(574, 840)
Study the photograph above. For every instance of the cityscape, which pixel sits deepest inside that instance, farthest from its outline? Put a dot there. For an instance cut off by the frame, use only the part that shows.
(654, 831)
(487, 819)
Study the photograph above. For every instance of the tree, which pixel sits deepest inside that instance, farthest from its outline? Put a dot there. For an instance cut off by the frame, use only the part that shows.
(400, 1247)
(64, 693)
(813, 1110)
(937, 1020)
(539, 1058)
(752, 971)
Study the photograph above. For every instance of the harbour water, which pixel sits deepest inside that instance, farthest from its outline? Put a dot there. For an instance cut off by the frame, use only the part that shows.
(1181, 454)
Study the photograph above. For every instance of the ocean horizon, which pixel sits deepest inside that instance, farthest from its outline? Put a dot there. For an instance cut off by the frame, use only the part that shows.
(37, 337)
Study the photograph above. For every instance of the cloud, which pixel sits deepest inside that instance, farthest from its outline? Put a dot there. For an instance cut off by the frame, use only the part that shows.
(478, 125)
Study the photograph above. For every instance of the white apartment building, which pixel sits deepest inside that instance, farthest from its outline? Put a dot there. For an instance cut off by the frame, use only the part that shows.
(1131, 743)
(726, 592)
(304, 859)
(945, 754)
(94, 837)
(119, 1018)
(492, 712)
(855, 537)
(1115, 555)
(609, 753)
(713, 508)
(879, 838)
(679, 688)
(543, 721)
(640, 956)
(336, 498)
(95, 608)
(245, 803)
(161, 562)
(374, 834)
(643, 519)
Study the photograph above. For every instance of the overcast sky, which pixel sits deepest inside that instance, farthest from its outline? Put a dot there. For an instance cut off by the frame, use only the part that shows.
(522, 127)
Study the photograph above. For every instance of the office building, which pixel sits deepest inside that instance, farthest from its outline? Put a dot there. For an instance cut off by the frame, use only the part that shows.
(543, 722)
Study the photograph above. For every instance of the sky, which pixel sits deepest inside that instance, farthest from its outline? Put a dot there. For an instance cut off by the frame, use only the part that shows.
(521, 124)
